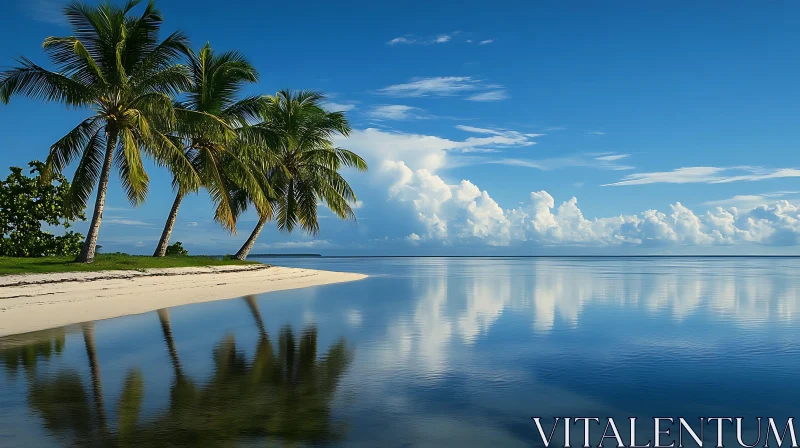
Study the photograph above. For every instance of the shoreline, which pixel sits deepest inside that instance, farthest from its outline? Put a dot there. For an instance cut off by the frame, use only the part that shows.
(33, 302)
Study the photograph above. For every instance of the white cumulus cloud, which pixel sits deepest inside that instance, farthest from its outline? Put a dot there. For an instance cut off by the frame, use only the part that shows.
(458, 211)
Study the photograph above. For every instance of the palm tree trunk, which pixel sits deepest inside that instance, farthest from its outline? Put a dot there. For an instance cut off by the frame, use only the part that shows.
(251, 241)
(89, 246)
(253, 305)
(161, 249)
(166, 328)
(94, 367)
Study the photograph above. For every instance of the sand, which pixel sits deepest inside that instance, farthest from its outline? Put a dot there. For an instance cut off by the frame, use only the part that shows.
(41, 301)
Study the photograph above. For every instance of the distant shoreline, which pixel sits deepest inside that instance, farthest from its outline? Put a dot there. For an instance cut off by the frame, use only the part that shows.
(32, 302)
(560, 256)
(283, 255)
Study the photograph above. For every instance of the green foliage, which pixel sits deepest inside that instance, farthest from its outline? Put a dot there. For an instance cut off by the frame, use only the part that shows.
(306, 165)
(28, 202)
(176, 249)
(209, 121)
(190, 117)
(115, 65)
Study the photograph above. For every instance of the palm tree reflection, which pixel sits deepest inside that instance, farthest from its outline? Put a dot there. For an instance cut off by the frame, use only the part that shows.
(283, 394)
(65, 405)
(27, 349)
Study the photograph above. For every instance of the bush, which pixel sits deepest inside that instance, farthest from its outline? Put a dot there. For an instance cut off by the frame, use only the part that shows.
(176, 249)
(28, 202)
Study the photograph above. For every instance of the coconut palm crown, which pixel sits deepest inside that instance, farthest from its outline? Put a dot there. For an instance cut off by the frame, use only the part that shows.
(304, 168)
(210, 121)
(115, 65)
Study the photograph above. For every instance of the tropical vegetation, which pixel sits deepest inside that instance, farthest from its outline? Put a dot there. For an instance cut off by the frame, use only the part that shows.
(303, 168)
(26, 203)
(157, 99)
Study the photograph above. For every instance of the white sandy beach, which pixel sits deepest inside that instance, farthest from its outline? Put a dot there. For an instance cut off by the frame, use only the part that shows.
(41, 301)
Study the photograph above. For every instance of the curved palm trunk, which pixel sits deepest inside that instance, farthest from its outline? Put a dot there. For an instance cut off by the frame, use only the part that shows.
(89, 246)
(253, 305)
(166, 327)
(161, 249)
(251, 241)
(94, 367)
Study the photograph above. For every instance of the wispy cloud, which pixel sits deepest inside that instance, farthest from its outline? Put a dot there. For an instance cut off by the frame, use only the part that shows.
(400, 40)
(494, 95)
(486, 42)
(410, 39)
(613, 157)
(608, 162)
(124, 222)
(500, 137)
(396, 112)
(477, 130)
(427, 151)
(337, 107)
(446, 86)
(436, 86)
(750, 201)
(707, 175)
(596, 132)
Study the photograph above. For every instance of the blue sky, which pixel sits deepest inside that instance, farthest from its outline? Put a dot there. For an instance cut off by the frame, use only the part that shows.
(673, 125)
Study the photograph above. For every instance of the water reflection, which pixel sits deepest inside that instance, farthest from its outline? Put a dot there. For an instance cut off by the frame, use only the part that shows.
(283, 394)
(449, 353)
(557, 291)
(24, 351)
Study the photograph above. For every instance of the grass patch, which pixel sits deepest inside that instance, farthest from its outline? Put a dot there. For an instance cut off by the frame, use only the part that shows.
(109, 262)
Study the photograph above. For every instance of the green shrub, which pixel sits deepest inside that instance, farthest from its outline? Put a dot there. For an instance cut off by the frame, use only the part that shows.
(176, 249)
(26, 203)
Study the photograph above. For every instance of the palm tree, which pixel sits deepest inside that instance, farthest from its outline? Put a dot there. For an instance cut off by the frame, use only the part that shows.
(305, 170)
(206, 126)
(115, 65)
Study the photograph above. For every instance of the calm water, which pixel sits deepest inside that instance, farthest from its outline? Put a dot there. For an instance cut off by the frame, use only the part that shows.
(425, 352)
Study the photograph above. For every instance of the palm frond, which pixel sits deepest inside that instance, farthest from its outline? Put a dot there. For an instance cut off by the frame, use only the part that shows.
(69, 146)
(172, 80)
(88, 171)
(245, 112)
(128, 160)
(164, 54)
(36, 82)
(168, 152)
